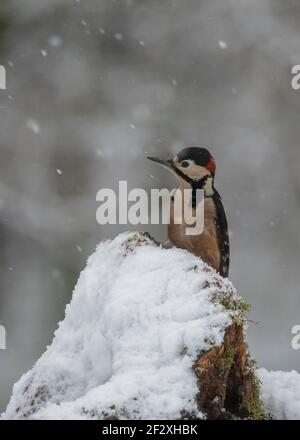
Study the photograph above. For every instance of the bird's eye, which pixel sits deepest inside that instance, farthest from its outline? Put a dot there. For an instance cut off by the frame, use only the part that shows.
(185, 164)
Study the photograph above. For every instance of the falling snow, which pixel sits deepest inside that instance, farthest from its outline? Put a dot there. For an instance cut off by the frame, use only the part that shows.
(223, 44)
(33, 125)
(55, 41)
(119, 36)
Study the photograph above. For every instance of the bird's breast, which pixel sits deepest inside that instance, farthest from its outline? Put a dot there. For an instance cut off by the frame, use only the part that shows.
(205, 244)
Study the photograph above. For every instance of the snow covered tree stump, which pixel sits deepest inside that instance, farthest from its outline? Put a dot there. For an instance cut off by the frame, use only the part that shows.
(150, 333)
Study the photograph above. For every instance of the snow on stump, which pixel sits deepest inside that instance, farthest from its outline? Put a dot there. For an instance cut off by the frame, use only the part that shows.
(150, 333)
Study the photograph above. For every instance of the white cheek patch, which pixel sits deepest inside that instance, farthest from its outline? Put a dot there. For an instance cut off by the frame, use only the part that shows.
(191, 162)
(197, 172)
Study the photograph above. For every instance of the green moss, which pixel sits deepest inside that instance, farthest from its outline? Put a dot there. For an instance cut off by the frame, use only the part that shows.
(238, 309)
(229, 356)
(251, 363)
(228, 359)
(252, 404)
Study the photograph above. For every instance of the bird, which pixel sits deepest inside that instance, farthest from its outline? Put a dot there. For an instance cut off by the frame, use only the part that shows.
(195, 168)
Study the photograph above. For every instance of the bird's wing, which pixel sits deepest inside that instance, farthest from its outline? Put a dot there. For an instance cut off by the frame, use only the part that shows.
(222, 234)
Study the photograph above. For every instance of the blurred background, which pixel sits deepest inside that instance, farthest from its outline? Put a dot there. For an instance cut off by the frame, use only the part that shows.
(92, 88)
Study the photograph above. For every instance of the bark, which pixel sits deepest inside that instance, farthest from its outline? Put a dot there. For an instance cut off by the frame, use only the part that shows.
(228, 387)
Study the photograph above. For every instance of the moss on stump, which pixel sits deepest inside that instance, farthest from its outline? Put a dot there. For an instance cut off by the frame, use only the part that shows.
(228, 386)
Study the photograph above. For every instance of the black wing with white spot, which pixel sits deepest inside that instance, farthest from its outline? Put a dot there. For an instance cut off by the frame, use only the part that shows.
(222, 234)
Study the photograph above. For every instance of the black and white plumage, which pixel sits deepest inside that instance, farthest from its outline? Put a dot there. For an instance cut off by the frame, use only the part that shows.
(195, 168)
(222, 233)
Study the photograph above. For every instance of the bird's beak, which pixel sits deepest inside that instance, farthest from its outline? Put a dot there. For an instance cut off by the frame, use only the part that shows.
(165, 163)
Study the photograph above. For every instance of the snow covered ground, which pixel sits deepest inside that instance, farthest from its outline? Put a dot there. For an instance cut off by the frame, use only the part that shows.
(138, 318)
(281, 393)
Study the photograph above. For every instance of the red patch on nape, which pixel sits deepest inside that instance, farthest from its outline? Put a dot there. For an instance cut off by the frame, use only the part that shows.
(211, 166)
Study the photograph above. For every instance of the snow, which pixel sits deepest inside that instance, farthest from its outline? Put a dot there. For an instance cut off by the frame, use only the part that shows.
(138, 318)
(281, 393)
(55, 41)
(119, 36)
(222, 44)
(33, 125)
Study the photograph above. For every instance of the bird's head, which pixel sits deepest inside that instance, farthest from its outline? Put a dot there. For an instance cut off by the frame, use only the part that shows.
(190, 164)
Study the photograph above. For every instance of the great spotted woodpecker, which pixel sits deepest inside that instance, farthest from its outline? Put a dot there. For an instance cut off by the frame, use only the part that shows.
(195, 168)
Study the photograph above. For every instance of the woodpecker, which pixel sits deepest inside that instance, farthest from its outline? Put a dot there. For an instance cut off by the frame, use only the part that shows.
(195, 168)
